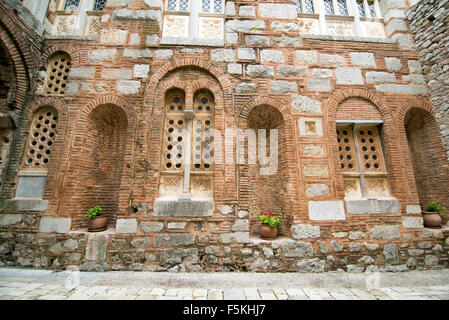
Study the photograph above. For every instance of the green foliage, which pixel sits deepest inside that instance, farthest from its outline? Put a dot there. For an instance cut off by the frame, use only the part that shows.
(436, 207)
(270, 219)
(93, 212)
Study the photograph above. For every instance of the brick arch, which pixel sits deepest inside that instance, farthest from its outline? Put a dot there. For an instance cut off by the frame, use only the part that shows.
(180, 63)
(19, 63)
(123, 125)
(393, 156)
(287, 167)
(71, 51)
(432, 147)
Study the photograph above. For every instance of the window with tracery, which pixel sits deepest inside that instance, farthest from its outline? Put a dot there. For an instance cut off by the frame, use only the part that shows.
(41, 139)
(71, 5)
(99, 5)
(186, 21)
(304, 6)
(362, 161)
(57, 74)
(186, 152)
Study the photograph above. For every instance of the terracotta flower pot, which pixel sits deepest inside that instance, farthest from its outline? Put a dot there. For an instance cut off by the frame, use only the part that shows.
(268, 233)
(431, 219)
(97, 224)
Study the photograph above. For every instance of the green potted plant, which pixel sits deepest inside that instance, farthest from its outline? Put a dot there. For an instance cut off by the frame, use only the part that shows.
(431, 217)
(97, 222)
(268, 230)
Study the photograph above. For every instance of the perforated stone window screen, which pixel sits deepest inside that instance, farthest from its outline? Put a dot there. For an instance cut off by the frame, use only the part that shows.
(57, 74)
(175, 129)
(362, 161)
(99, 5)
(5, 145)
(202, 152)
(71, 5)
(41, 138)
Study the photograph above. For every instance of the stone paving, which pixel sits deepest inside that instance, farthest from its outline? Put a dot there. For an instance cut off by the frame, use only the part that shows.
(27, 284)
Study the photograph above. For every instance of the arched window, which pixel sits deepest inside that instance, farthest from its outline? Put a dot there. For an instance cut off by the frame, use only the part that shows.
(57, 74)
(41, 139)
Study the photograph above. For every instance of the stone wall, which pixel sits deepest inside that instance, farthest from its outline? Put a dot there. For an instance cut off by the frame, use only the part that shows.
(118, 80)
(428, 21)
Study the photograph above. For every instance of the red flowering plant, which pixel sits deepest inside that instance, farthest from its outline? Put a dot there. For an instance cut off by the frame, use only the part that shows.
(270, 219)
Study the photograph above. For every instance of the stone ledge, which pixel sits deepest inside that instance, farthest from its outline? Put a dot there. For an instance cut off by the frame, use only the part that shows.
(193, 42)
(70, 37)
(367, 206)
(181, 208)
(15, 205)
(347, 38)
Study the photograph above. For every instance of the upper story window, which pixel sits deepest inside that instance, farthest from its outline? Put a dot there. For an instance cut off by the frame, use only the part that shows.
(360, 18)
(99, 5)
(71, 5)
(304, 6)
(193, 22)
(57, 74)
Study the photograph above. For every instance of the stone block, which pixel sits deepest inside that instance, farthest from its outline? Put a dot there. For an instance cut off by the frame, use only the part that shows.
(246, 26)
(224, 55)
(97, 244)
(58, 225)
(395, 25)
(151, 226)
(176, 225)
(151, 40)
(305, 231)
(231, 38)
(334, 60)
(414, 66)
(305, 104)
(102, 55)
(128, 86)
(140, 243)
(313, 128)
(316, 190)
(230, 8)
(141, 70)
(283, 11)
(281, 26)
(126, 226)
(81, 73)
(310, 265)
(235, 68)
(71, 244)
(137, 15)
(401, 89)
(285, 41)
(258, 41)
(412, 222)
(306, 57)
(414, 78)
(247, 11)
(385, 232)
(181, 208)
(10, 219)
(294, 249)
(337, 246)
(281, 86)
(267, 55)
(259, 263)
(349, 76)
(163, 54)
(373, 76)
(246, 54)
(323, 85)
(108, 73)
(356, 235)
(258, 71)
(235, 237)
(137, 53)
(393, 64)
(31, 186)
(326, 210)
(240, 225)
(372, 206)
(176, 256)
(94, 266)
(363, 59)
(173, 239)
(292, 71)
(322, 73)
(391, 253)
(155, 3)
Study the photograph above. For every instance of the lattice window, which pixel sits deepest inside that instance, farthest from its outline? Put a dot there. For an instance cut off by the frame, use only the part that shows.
(205, 6)
(328, 7)
(201, 136)
(41, 139)
(57, 74)
(309, 6)
(172, 5)
(212, 6)
(71, 5)
(362, 162)
(361, 8)
(99, 5)
(184, 5)
(372, 9)
(175, 126)
(298, 6)
(342, 7)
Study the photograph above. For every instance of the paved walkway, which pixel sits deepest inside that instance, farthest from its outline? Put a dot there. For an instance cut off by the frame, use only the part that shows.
(31, 284)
